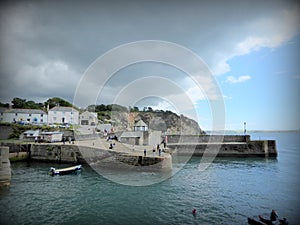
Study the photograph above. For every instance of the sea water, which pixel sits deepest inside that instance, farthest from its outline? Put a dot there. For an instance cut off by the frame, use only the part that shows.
(227, 192)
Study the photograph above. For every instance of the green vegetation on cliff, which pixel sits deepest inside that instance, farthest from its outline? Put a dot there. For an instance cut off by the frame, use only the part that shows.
(123, 118)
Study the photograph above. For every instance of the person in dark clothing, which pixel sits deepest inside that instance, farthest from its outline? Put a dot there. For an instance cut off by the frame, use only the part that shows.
(273, 216)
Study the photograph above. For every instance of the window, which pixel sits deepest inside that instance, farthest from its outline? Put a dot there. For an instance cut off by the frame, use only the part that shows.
(54, 112)
(29, 114)
(42, 120)
(16, 114)
(54, 118)
(42, 115)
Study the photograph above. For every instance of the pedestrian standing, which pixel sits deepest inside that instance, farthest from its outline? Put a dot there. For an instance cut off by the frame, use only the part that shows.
(145, 152)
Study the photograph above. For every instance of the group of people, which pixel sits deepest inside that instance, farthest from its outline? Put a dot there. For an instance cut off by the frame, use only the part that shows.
(70, 139)
(112, 139)
(158, 149)
(274, 219)
(154, 150)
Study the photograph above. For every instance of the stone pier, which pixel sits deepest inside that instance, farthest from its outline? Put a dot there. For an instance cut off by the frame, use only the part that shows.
(5, 170)
(222, 146)
(93, 152)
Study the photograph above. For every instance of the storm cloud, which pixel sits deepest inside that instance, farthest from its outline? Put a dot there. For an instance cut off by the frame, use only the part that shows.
(46, 46)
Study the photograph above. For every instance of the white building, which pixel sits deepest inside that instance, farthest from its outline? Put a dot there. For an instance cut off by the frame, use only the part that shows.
(140, 126)
(2, 113)
(88, 118)
(60, 114)
(55, 136)
(24, 115)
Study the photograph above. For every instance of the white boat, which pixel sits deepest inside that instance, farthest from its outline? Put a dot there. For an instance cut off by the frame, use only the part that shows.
(64, 171)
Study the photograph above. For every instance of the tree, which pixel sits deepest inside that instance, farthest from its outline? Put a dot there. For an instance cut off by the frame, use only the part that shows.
(100, 108)
(33, 105)
(18, 103)
(5, 105)
(52, 102)
(91, 108)
(134, 109)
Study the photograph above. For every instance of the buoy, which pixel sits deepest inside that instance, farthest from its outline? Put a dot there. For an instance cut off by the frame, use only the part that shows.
(194, 211)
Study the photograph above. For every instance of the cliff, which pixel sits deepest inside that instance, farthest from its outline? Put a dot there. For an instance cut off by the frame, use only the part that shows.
(157, 120)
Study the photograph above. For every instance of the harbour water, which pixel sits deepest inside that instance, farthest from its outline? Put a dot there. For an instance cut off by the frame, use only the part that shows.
(227, 192)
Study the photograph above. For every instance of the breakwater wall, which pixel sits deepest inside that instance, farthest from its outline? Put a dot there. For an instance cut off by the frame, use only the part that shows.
(222, 146)
(96, 157)
(18, 151)
(110, 159)
(5, 170)
(60, 153)
(207, 138)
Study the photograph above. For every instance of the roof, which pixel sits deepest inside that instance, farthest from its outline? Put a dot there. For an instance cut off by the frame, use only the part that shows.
(26, 111)
(3, 109)
(63, 109)
(131, 134)
(31, 131)
(52, 132)
(140, 123)
(89, 113)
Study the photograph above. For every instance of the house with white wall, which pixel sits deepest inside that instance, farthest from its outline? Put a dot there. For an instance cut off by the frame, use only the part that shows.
(140, 126)
(62, 114)
(88, 118)
(2, 113)
(24, 115)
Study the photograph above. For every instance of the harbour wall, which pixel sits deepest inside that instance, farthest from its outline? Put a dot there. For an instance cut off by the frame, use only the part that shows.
(96, 157)
(59, 153)
(231, 146)
(5, 170)
(18, 151)
(207, 138)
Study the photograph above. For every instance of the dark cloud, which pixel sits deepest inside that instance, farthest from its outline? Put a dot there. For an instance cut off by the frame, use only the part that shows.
(47, 45)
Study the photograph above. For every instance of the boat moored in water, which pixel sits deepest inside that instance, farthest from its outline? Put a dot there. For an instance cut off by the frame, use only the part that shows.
(65, 171)
(254, 222)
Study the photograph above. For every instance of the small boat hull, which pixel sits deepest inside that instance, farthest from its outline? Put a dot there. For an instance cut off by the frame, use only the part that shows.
(66, 171)
(254, 222)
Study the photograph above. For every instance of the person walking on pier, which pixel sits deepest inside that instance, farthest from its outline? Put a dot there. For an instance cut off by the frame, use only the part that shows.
(145, 152)
(153, 150)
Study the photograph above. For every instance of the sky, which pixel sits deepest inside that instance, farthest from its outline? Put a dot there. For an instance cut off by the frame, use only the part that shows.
(183, 56)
